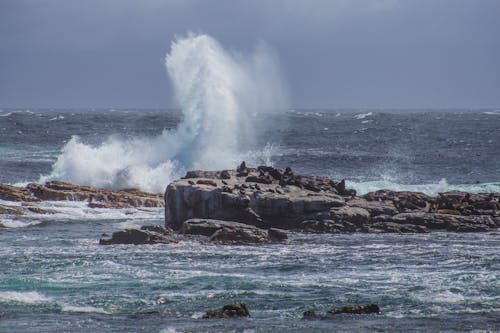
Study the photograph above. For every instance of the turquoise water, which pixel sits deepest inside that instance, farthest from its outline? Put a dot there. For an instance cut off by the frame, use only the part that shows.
(56, 278)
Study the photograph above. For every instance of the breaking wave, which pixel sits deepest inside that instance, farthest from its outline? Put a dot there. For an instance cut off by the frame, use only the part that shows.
(220, 93)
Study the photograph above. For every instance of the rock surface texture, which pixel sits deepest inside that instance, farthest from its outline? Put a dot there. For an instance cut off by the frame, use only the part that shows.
(59, 191)
(267, 197)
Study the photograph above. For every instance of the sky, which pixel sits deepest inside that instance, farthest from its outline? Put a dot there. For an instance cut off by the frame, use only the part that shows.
(332, 53)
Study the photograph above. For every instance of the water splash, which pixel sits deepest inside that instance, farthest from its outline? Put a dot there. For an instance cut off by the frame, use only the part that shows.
(221, 94)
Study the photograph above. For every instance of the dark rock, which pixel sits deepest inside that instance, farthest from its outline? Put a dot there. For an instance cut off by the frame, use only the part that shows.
(240, 236)
(326, 226)
(404, 201)
(228, 311)
(311, 315)
(391, 227)
(136, 237)
(225, 174)
(158, 229)
(242, 170)
(259, 179)
(277, 235)
(356, 309)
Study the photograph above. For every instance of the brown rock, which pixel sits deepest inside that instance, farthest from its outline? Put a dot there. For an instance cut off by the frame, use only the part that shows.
(14, 193)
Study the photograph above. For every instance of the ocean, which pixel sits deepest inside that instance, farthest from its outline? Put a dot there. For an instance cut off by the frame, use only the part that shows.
(54, 276)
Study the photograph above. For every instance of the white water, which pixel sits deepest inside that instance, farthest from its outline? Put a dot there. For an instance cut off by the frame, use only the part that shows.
(431, 189)
(220, 94)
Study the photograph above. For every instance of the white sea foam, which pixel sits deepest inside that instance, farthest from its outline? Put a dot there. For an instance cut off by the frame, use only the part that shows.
(363, 115)
(29, 297)
(430, 189)
(220, 93)
(82, 309)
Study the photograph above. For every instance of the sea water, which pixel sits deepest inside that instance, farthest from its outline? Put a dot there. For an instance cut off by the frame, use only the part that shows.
(54, 277)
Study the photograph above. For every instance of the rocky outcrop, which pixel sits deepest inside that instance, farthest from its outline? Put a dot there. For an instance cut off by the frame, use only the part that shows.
(228, 311)
(268, 197)
(264, 197)
(14, 193)
(58, 191)
(145, 235)
(351, 309)
(229, 232)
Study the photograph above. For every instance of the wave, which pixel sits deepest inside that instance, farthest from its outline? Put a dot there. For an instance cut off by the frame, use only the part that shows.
(431, 189)
(28, 297)
(221, 94)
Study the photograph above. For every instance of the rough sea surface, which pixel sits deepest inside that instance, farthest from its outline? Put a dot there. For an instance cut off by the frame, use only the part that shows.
(54, 277)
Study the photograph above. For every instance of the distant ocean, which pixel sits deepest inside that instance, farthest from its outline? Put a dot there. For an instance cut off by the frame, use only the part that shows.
(56, 278)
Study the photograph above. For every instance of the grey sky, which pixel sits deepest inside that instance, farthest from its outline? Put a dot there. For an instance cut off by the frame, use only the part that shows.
(334, 53)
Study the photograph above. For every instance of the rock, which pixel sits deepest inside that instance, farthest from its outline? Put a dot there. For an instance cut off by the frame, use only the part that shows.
(257, 206)
(240, 236)
(228, 232)
(158, 229)
(11, 210)
(98, 198)
(311, 315)
(356, 309)
(375, 208)
(326, 226)
(225, 174)
(356, 215)
(136, 237)
(14, 193)
(391, 227)
(228, 311)
(207, 182)
(404, 201)
(446, 221)
(277, 235)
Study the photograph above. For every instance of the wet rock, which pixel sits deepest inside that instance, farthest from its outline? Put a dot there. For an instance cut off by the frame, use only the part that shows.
(11, 210)
(226, 231)
(136, 237)
(240, 236)
(446, 221)
(311, 315)
(326, 226)
(356, 309)
(228, 311)
(97, 198)
(14, 193)
(277, 235)
(391, 227)
(158, 229)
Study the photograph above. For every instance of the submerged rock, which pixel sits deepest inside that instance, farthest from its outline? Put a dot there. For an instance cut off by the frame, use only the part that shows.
(145, 235)
(356, 309)
(228, 311)
(350, 309)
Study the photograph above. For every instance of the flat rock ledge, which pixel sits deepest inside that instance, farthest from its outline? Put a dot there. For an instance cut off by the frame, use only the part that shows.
(61, 191)
(272, 198)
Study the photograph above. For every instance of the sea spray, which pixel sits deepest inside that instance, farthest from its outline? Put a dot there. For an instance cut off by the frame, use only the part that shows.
(220, 93)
